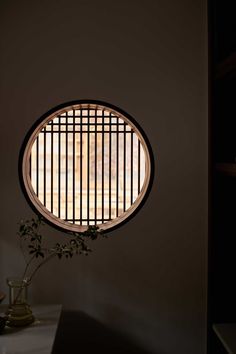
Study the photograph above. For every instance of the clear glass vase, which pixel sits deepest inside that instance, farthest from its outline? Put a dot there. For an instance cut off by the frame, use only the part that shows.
(19, 312)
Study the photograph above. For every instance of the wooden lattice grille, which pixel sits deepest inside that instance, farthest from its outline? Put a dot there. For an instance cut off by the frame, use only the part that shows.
(86, 165)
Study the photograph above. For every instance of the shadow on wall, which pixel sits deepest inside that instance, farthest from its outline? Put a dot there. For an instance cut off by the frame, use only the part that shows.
(80, 333)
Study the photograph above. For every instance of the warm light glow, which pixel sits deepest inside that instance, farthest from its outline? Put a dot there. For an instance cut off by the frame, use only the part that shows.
(78, 175)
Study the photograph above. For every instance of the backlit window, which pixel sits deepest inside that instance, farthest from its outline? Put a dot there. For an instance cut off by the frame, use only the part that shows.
(86, 163)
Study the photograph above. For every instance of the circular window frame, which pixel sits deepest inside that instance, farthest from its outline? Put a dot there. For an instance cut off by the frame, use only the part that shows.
(24, 176)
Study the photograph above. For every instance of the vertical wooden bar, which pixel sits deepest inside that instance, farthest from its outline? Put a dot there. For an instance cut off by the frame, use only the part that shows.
(59, 166)
(52, 167)
(124, 167)
(81, 166)
(88, 164)
(66, 201)
(95, 170)
(102, 166)
(110, 165)
(117, 166)
(73, 197)
(44, 165)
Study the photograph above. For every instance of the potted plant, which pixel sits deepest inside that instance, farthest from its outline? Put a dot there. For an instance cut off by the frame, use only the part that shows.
(36, 254)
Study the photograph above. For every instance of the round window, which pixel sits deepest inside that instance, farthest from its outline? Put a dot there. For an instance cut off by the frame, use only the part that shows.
(86, 163)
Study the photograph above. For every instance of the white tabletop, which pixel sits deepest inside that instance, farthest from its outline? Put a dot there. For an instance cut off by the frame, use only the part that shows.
(37, 338)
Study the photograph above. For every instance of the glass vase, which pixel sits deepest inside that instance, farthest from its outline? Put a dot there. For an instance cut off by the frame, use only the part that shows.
(19, 312)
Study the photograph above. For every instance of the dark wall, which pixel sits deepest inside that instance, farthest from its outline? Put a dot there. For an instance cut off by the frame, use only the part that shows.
(150, 59)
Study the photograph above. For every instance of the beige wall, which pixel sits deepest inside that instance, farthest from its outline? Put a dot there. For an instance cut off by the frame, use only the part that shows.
(150, 59)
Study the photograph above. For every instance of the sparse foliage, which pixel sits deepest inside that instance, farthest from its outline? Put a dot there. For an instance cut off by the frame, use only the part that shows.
(32, 244)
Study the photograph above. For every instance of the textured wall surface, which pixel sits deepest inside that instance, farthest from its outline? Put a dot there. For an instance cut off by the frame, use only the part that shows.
(149, 58)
